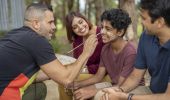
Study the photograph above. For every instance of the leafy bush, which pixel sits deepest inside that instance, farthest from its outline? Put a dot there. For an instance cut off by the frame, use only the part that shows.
(2, 33)
(56, 46)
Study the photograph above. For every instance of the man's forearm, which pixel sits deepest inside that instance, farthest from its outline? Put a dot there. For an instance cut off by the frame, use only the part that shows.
(164, 96)
(95, 78)
(133, 80)
(129, 84)
(74, 69)
(92, 80)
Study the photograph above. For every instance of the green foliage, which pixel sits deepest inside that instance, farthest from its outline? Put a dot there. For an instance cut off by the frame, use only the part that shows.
(2, 33)
(60, 44)
(27, 2)
(139, 27)
(110, 4)
(56, 46)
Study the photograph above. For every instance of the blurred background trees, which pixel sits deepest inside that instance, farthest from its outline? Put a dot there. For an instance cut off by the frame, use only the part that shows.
(92, 9)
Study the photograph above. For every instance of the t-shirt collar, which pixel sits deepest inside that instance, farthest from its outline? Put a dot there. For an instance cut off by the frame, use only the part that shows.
(166, 45)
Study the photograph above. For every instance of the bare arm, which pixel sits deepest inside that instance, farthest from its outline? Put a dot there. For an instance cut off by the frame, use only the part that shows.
(41, 76)
(66, 74)
(133, 80)
(120, 81)
(113, 95)
(163, 96)
(94, 79)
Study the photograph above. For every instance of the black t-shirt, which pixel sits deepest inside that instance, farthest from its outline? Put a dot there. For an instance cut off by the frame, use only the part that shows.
(22, 52)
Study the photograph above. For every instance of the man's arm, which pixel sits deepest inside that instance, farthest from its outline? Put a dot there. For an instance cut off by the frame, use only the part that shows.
(65, 75)
(112, 95)
(163, 96)
(87, 87)
(41, 76)
(92, 80)
(133, 80)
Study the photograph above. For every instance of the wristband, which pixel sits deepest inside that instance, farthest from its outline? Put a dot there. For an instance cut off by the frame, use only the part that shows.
(130, 96)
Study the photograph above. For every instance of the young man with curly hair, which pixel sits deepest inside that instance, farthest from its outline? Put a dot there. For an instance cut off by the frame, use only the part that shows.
(117, 56)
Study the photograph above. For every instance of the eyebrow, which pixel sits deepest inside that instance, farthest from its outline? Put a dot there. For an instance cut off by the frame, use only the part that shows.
(76, 24)
(108, 27)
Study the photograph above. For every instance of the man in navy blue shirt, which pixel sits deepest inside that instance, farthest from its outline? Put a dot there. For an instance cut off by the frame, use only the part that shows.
(153, 55)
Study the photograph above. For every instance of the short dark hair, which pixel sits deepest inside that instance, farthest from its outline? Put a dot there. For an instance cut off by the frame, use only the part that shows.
(68, 20)
(157, 9)
(118, 18)
(40, 6)
(36, 10)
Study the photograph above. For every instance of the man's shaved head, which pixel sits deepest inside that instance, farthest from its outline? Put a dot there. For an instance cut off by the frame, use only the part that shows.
(40, 18)
(35, 11)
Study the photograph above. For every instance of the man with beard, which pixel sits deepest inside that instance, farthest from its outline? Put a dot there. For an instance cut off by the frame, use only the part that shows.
(25, 50)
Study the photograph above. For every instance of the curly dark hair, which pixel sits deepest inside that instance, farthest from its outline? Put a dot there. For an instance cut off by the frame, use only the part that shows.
(118, 18)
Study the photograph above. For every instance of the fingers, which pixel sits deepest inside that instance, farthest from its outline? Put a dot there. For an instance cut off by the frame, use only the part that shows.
(107, 90)
(91, 39)
(77, 94)
(111, 90)
(90, 44)
(104, 96)
(76, 85)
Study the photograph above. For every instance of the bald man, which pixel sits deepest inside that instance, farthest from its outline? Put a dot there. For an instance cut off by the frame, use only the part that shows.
(26, 50)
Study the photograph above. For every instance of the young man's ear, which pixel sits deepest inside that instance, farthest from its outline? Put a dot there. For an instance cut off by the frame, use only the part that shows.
(120, 33)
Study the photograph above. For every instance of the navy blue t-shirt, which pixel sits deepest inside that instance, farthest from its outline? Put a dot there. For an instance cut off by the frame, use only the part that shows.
(22, 52)
(156, 58)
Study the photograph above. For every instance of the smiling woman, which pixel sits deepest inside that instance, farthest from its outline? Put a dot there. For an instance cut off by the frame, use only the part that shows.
(78, 30)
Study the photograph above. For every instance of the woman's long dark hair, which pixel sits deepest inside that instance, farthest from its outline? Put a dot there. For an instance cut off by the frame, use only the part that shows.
(68, 20)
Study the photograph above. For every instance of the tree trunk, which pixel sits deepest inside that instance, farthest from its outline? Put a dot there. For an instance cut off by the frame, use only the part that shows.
(70, 5)
(99, 7)
(129, 6)
(86, 8)
(48, 2)
(63, 12)
(78, 5)
(89, 12)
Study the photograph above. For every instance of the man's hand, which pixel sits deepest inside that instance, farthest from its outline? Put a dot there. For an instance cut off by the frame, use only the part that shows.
(90, 44)
(75, 85)
(113, 94)
(85, 93)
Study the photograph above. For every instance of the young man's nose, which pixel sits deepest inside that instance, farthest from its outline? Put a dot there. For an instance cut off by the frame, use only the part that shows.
(103, 31)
